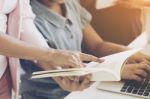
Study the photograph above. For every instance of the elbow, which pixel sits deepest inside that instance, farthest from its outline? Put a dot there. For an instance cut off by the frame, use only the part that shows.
(99, 45)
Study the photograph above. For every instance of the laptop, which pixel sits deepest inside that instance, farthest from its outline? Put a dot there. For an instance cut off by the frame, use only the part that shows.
(133, 88)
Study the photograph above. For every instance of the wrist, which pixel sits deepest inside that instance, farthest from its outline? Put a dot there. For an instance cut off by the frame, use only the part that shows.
(49, 55)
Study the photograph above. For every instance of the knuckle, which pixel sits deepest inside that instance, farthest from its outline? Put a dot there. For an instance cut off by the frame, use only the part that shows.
(138, 72)
(143, 73)
(134, 77)
(144, 66)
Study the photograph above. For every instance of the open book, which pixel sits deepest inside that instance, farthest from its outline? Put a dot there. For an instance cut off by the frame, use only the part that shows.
(109, 70)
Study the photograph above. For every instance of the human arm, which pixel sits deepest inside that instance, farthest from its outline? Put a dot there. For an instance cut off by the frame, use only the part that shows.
(132, 71)
(95, 43)
(31, 35)
(10, 46)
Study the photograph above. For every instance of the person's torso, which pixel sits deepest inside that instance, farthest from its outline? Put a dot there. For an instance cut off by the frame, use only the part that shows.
(60, 32)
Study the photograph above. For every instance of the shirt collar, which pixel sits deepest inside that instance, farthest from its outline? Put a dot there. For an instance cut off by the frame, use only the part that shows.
(51, 16)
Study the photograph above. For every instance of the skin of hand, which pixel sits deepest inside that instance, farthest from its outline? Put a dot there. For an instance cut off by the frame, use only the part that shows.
(135, 71)
(67, 59)
(75, 84)
(139, 58)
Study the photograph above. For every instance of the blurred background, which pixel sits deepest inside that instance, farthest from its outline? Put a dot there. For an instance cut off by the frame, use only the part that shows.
(118, 24)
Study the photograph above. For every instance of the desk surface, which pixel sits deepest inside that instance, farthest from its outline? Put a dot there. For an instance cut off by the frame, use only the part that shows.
(93, 93)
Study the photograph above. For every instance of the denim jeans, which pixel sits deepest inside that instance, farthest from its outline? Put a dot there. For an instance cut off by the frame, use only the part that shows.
(45, 88)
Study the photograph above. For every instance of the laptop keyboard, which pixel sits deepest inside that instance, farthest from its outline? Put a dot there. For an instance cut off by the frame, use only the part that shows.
(137, 88)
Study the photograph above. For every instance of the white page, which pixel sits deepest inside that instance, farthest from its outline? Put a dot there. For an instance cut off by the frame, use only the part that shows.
(112, 65)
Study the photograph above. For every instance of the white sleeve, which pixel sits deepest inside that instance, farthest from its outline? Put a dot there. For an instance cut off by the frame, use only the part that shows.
(30, 33)
(3, 21)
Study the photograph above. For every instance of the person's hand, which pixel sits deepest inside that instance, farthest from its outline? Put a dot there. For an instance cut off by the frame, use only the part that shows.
(67, 59)
(135, 71)
(75, 83)
(138, 58)
(133, 3)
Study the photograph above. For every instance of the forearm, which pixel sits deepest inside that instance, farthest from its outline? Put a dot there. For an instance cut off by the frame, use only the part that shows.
(19, 49)
(105, 48)
(97, 45)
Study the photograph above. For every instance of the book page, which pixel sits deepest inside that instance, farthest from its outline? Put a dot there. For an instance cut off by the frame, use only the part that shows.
(112, 65)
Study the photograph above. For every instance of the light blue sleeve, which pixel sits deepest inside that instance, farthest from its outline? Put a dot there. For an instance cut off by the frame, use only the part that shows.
(84, 16)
